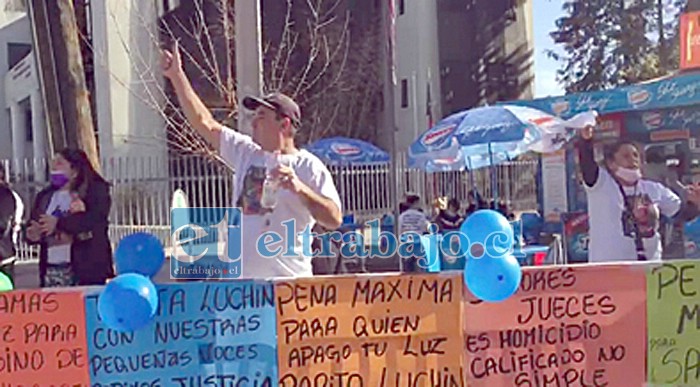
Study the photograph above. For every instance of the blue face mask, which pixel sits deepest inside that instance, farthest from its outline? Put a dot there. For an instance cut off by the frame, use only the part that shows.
(59, 179)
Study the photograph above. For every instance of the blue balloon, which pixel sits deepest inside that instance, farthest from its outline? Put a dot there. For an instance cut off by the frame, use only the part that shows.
(493, 279)
(139, 253)
(128, 302)
(490, 229)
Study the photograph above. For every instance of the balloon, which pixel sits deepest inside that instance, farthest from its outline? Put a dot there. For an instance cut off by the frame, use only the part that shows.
(128, 302)
(139, 253)
(490, 229)
(493, 279)
(5, 283)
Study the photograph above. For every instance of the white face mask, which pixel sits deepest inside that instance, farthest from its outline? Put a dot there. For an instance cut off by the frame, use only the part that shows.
(629, 175)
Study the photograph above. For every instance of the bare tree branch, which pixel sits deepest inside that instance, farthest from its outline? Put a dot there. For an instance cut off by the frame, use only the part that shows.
(287, 45)
(332, 69)
(153, 101)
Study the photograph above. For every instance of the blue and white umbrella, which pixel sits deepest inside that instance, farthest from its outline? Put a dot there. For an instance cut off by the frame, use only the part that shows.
(348, 151)
(490, 135)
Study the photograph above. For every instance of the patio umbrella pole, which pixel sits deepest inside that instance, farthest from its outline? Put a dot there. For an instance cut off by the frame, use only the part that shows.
(494, 183)
(472, 182)
(395, 165)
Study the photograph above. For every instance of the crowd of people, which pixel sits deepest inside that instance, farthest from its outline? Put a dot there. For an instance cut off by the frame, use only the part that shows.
(276, 181)
(446, 213)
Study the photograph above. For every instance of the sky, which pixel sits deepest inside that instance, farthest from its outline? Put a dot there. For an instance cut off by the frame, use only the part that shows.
(545, 13)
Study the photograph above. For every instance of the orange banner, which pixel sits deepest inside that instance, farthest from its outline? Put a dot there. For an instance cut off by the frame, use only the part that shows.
(566, 326)
(43, 335)
(690, 40)
(378, 331)
(669, 135)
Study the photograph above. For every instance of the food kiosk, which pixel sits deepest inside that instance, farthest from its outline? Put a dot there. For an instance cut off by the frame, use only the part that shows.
(663, 116)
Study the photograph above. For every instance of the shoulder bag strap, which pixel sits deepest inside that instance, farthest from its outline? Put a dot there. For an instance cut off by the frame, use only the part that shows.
(638, 243)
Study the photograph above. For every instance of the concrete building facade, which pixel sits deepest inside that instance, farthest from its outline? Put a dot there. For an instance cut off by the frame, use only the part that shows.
(126, 86)
(455, 55)
(450, 56)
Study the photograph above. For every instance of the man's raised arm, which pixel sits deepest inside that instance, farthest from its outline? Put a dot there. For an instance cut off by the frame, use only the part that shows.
(197, 114)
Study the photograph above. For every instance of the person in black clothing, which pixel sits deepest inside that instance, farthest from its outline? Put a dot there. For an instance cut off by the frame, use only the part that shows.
(504, 209)
(449, 219)
(471, 208)
(475, 203)
(70, 220)
(624, 209)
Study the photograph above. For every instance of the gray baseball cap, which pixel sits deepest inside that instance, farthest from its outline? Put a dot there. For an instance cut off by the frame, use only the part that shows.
(278, 102)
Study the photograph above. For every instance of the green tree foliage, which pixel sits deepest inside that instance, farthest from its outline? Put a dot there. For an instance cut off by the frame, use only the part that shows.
(608, 43)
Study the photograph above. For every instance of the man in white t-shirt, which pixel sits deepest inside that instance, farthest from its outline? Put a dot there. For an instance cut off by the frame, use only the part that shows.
(412, 220)
(623, 208)
(305, 193)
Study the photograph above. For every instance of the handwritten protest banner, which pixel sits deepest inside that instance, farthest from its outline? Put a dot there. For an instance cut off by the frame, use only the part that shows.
(204, 334)
(673, 294)
(566, 326)
(43, 339)
(378, 331)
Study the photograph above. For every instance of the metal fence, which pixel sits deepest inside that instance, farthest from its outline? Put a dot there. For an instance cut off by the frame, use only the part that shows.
(366, 191)
(142, 188)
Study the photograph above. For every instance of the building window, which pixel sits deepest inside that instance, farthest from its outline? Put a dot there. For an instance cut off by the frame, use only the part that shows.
(29, 134)
(16, 52)
(166, 6)
(404, 93)
(402, 7)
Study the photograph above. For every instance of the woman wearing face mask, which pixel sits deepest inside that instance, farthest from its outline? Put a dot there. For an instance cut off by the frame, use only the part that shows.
(624, 208)
(69, 220)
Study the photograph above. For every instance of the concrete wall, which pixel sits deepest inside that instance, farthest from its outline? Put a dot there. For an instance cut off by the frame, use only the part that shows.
(14, 28)
(459, 48)
(128, 84)
(417, 63)
(486, 52)
(28, 132)
(519, 44)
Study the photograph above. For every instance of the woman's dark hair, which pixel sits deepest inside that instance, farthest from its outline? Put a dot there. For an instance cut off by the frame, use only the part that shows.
(87, 175)
(610, 150)
(412, 199)
(454, 203)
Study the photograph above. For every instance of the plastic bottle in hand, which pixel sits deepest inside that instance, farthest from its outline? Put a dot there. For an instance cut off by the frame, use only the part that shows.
(269, 191)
